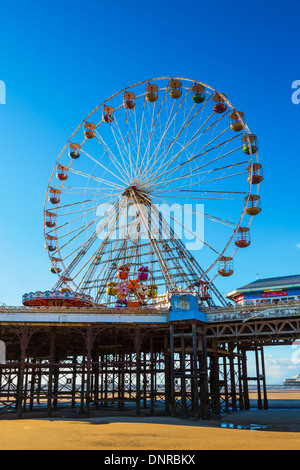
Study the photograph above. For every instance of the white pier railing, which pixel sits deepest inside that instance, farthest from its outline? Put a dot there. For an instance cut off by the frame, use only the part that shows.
(281, 309)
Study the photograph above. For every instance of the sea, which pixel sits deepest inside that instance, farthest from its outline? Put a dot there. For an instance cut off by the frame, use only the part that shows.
(277, 387)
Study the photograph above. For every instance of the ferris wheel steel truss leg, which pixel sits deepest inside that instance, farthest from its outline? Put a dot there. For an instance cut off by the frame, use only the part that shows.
(192, 264)
(113, 268)
(170, 282)
(91, 271)
(112, 271)
(110, 274)
(196, 265)
(97, 258)
(68, 271)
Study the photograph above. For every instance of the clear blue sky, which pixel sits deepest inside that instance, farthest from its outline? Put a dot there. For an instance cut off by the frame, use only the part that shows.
(60, 59)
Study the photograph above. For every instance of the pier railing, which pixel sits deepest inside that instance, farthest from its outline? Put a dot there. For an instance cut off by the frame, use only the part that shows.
(244, 313)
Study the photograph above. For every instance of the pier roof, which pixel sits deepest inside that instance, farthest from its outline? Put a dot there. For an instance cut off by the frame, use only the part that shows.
(270, 283)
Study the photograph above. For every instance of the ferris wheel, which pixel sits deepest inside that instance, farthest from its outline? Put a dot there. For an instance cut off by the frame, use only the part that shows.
(153, 194)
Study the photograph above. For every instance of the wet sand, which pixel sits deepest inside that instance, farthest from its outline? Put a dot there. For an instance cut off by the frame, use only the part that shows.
(160, 433)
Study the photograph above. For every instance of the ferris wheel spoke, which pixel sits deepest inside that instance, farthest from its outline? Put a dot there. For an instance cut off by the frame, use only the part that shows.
(163, 263)
(72, 231)
(192, 140)
(69, 222)
(132, 169)
(165, 267)
(189, 231)
(92, 191)
(177, 222)
(217, 158)
(168, 124)
(153, 124)
(185, 124)
(111, 156)
(75, 212)
(205, 273)
(211, 149)
(126, 150)
(139, 133)
(86, 243)
(94, 177)
(205, 191)
(87, 226)
(73, 204)
(100, 180)
(124, 243)
(121, 153)
(207, 216)
(206, 198)
(137, 138)
(172, 170)
(215, 179)
(224, 177)
(147, 153)
(76, 203)
(201, 173)
(95, 193)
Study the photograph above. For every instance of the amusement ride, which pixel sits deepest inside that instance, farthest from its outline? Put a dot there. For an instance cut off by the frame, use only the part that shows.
(128, 187)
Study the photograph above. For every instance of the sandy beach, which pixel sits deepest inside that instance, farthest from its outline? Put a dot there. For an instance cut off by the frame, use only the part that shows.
(281, 421)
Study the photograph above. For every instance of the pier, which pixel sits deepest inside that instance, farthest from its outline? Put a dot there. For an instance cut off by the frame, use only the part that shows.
(92, 359)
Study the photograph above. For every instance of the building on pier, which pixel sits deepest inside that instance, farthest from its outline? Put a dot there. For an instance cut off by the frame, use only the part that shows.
(269, 290)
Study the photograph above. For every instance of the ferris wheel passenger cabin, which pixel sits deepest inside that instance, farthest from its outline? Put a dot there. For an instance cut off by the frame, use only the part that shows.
(254, 204)
(143, 272)
(204, 290)
(151, 92)
(123, 272)
(253, 143)
(255, 173)
(50, 220)
(198, 93)
(62, 173)
(129, 100)
(220, 105)
(55, 268)
(235, 123)
(54, 196)
(51, 242)
(242, 238)
(89, 133)
(111, 288)
(108, 114)
(175, 89)
(225, 266)
(74, 151)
